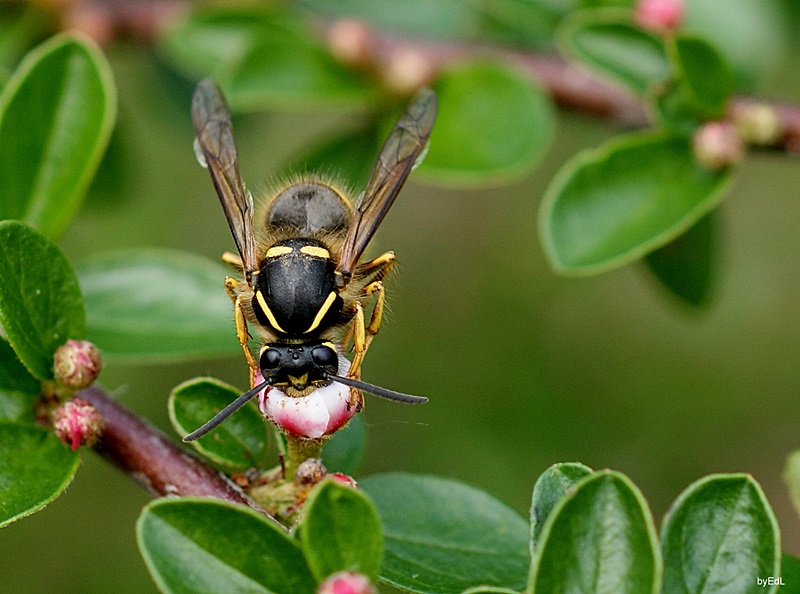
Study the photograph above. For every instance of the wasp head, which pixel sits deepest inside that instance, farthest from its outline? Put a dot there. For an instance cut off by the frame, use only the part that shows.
(300, 368)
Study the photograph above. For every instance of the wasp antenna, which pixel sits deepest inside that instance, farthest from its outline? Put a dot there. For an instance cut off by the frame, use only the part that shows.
(225, 412)
(378, 391)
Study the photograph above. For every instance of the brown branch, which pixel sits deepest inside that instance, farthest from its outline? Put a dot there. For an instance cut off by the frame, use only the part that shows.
(153, 461)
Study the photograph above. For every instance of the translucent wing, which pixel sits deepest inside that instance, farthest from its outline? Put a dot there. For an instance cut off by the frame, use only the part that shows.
(397, 158)
(214, 143)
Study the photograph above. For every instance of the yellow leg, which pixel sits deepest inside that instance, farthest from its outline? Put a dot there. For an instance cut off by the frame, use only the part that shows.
(232, 286)
(363, 335)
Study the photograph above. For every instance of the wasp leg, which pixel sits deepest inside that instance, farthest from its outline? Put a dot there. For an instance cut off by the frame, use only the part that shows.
(233, 260)
(363, 335)
(376, 269)
(232, 286)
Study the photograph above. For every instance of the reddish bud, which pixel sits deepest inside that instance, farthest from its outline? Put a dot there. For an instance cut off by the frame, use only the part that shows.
(343, 479)
(659, 15)
(717, 145)
(351, 42)
(78, 423)
(347, 582)
(407, 70)
(76, 364)
(322, 412)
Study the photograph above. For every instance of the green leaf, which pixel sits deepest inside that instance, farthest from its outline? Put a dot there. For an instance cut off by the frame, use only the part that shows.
(441, 536)
(56, 116)
(239, 443)
(213, 40)
(686, 265)
(18, 388)
(345, 451)
(599, 539)
(608, 42)
(292, 70)
(158, 304)
(207, 545)
(704, 77)
(35, 468)
(550, 487)
(41, 306)
(488, 590)
(341, 532)
(791, 476)
(523, 22)
(493, 124)
(610, 206)
(790, 574)
(720, 535)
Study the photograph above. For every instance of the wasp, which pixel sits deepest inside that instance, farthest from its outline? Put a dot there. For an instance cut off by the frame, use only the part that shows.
(303, 288)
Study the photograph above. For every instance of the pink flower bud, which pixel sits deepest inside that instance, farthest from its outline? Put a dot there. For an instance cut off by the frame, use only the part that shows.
(343, 479)
(351, 42)
(78, 423)
(659, 15)
(322, 412)
(347, 582)
(406, 70)
(76, 364)
(717, 145)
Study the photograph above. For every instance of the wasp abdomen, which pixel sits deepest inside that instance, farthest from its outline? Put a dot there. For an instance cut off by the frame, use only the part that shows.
(310, 208)
(295, 289)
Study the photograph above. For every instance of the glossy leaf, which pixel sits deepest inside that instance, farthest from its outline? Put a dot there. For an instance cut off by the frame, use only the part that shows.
(341, 532)
(213, 40)
(599, 539)
(293, 71)
(493, 124)
(35, 468)
(41, 306)
(791, 476)
(790, 574)
(18, 388)
(720, 535)
(420, 18)
(488, 590)
(56, 116)
(550, 487)
(441, 536)
(345, 451)
(686, 265)
(238, 443)
(705, 79)
(207, 545)
(606, 41)
(158, 304)
(610, 206)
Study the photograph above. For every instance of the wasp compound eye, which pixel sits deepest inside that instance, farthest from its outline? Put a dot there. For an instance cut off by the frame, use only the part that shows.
(270, 358)
(324, 356)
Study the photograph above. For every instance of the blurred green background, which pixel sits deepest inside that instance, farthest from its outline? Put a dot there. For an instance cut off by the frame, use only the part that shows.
(523, 369)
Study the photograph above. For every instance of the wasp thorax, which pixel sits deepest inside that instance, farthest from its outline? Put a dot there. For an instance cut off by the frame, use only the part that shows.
(310, 207)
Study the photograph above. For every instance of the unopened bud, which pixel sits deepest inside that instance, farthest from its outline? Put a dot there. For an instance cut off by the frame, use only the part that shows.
(351, 42)
(758, 123)
(343, 479)
(78, 423)
(347, 582)
(717, 145)
(659, 16)
(76, 364)
(407, 70)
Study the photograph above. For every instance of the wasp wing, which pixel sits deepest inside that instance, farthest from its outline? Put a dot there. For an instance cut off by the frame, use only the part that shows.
(214, 143)
(397, 158)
